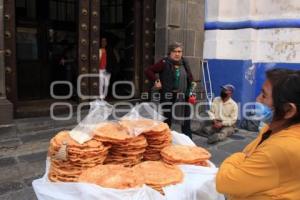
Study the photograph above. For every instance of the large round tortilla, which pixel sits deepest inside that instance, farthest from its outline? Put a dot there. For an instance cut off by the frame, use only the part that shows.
(112, 176)
(158, 173)
(185, 154)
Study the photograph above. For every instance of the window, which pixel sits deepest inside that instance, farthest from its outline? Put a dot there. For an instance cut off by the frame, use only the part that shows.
(112, 11)
(62, 10)
(26, 9)
(27, 46)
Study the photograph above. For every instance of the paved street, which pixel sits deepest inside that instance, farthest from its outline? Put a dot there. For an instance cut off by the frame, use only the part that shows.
(23, 150)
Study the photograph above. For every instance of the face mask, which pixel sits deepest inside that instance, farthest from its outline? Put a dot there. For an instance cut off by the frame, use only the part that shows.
(223, 94)
(263, 113)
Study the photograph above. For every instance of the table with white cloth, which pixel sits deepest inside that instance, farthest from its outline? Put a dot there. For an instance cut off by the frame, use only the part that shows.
(198, 184)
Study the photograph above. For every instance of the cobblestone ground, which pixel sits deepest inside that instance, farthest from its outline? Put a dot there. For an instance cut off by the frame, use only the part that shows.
(23, 150)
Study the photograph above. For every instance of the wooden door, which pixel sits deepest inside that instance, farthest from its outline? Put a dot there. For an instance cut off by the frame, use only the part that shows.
(46, 39)
(140, 36)
(10, 51)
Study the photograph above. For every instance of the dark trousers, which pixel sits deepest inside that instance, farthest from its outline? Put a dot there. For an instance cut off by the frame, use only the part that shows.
(186, 126)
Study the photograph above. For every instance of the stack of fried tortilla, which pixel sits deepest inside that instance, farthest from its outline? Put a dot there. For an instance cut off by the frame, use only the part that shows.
(69, 158)
(181, 154)
(158, 174)
(157, 133)
(158, 138)
(138, 126)
(125, 149)
(112, 176)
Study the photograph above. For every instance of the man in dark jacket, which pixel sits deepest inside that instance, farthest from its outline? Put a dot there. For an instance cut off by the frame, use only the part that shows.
(174, 82)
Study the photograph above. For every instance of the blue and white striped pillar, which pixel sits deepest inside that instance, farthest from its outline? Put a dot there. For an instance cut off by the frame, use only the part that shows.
(244, 38)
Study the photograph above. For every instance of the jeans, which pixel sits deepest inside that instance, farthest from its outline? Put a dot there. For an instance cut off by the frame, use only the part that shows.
(186, 126)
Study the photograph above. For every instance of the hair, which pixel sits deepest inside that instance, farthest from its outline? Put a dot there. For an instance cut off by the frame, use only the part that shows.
(285, 89)
(173, 46)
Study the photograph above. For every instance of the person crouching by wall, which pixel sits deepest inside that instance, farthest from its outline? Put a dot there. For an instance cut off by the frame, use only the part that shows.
(174, 82)
(223, 115)
(268, 168)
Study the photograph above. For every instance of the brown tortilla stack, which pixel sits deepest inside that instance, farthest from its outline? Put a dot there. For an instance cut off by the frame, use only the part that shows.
(181, 154)
(125, 149)
(69, 158)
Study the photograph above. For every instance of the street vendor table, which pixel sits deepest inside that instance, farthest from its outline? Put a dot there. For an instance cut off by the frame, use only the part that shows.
(198, 184)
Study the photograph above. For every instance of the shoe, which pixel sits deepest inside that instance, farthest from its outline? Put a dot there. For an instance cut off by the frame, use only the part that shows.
(213, 139)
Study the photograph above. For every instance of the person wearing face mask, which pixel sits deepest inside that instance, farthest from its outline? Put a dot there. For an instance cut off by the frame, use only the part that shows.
(263, 114)
(268, 168)
(223, 115)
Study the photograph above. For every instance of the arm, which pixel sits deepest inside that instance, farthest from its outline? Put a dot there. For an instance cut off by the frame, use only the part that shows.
(243, 176)
(212, 110)
(188, 69)
(153, 69)
(229, 121)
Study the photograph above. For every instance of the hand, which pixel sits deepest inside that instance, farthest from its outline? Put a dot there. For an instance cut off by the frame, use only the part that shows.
(157, 84)
(192, 99)
(247, 154)
(193, 84)
(217, 124)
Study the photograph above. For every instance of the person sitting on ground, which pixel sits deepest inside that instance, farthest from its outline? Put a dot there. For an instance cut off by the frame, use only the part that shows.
(223, 116)
(268, 168)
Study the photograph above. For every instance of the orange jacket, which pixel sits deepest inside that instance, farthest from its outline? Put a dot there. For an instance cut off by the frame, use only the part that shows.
(270, 170)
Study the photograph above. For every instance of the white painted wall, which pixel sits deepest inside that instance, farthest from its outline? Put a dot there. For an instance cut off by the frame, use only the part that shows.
(238, 10)
(262, 45)
(267, 45)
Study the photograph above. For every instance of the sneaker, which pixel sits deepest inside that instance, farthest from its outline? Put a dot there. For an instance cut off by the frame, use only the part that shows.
(213, 139)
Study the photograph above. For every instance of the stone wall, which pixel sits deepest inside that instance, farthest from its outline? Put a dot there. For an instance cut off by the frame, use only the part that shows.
(182, 21)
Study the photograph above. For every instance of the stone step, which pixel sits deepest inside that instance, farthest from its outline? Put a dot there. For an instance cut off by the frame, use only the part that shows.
(8, 132)
(42, 135)
(33, 124)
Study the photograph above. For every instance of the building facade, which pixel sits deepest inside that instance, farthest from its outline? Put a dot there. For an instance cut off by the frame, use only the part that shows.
(245, 38)
(50, 48)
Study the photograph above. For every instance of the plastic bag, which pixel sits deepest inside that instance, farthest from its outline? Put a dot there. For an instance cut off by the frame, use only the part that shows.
(181, 139)
(198, 183)
(99, 112)
(82, 191)
(143, 111)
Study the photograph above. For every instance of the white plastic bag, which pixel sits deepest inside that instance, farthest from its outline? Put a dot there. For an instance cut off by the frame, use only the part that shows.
(99, 112)
(47, 190)
(181, 139)
(143, 111)
(198, 184)
(83, 191)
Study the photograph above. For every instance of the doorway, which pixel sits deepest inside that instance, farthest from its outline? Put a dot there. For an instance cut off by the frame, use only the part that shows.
(50, 45)
(117, 26)
(46, 43)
